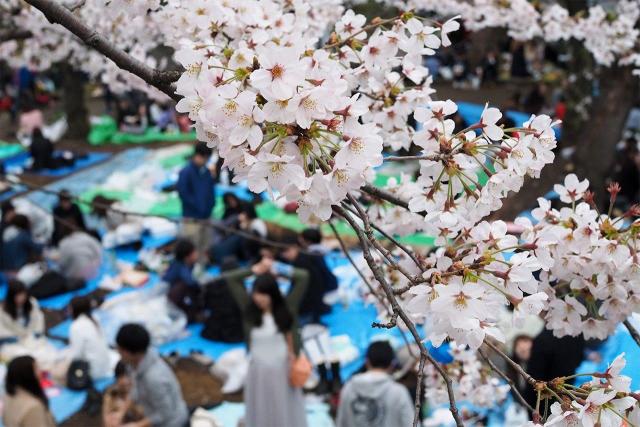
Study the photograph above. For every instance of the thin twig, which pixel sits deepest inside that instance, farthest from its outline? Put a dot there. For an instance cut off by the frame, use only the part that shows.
(14, 34)
(358, 270)
(632, 330)
(433, 158)
(384, 195)
(58, 14)
(513, 364)
(205, 222)
(393, 240)
(507, 379)
(418, 401)
(379, 275)
(368, 284)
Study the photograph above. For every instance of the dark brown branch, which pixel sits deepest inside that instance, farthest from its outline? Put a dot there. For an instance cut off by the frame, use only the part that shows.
(418, 401)
(379, 275)
(384, 195)
(387, 236)
(513, 364)
(358, 270)
(505, 377)
(407, 158)
(58, 14)
(633, 331)
(14, 34)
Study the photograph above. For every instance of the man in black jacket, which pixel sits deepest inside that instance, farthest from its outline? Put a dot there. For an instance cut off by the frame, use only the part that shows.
(553, 357)
(65, 213)
(312, 307)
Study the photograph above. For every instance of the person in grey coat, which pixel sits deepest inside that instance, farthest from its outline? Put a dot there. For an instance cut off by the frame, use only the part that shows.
(373, 398)
(155, 386)
(79, 256)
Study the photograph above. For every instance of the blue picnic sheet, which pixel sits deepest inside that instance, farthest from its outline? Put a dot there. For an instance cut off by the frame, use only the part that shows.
(19, 163)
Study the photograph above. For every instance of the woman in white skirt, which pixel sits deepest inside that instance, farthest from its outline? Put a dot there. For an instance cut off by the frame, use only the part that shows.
(271, 332)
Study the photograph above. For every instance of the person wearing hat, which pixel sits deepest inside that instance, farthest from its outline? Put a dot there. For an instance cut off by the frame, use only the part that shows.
(196, 189)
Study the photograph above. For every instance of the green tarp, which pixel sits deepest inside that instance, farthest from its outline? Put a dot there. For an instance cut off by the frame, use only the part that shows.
(8, 149)
(106, 132)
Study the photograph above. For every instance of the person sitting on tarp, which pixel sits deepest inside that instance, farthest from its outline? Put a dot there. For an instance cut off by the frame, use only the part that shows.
(20, 314)
(312, 306)
(43, 154)
(240, 246)
(184, 289)
(18, 245)
(79, 254)
(132, 118)
(224, 319)
(163, 116)
(65, 212)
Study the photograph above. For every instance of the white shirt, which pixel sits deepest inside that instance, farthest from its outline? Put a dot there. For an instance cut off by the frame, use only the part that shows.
(87, 342)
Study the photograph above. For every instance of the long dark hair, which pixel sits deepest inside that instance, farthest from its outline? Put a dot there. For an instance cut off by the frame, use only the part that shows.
(16, 287)
(267, 284)
(82, 305)
(21, 373)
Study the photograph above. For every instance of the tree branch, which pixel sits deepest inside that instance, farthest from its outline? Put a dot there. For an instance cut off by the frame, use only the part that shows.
(14, 34)
(379, 275)
(505, 377)
(384, 195)
(58, 14)
(633, 331)
(513, 364)
(418, 401)
(358, 270)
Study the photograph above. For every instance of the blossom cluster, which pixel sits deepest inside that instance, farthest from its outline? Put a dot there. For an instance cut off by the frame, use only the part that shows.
(474, 383)
(606, 400)
(302, 118)
(609, 35)
(591, 265)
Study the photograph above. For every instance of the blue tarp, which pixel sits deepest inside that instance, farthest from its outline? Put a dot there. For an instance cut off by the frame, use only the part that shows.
(20, 162)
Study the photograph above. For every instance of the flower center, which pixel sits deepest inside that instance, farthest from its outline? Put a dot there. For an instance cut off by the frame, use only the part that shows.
(230, 107)
(277, 71)
(357, 145)
(461, 301)
(277, 168)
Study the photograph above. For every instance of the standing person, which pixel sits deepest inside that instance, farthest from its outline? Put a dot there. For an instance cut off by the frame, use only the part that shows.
(25, 404)
(184, 289)
(155, 387)
(86, 339)
(271, 331)
(68, 212)
(20, 316)
(196, 188)
(373, 398)
(18, 246)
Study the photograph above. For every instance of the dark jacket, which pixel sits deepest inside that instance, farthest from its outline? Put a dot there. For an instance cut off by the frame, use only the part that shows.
(196, 188)
(319, 278)
(553, 357)
(72, 215)
(17, 249)
(300, 279)
(179, 272)
(41, 151)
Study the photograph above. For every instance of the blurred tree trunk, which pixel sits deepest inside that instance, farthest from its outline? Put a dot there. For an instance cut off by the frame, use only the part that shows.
(594, 132)
(73, 98)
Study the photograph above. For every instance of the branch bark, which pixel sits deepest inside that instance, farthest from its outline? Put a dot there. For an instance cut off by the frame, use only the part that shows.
(633, 331)
(505, 377)
(384, 195)
(58, 14)
(14, 34)
(379, 275)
